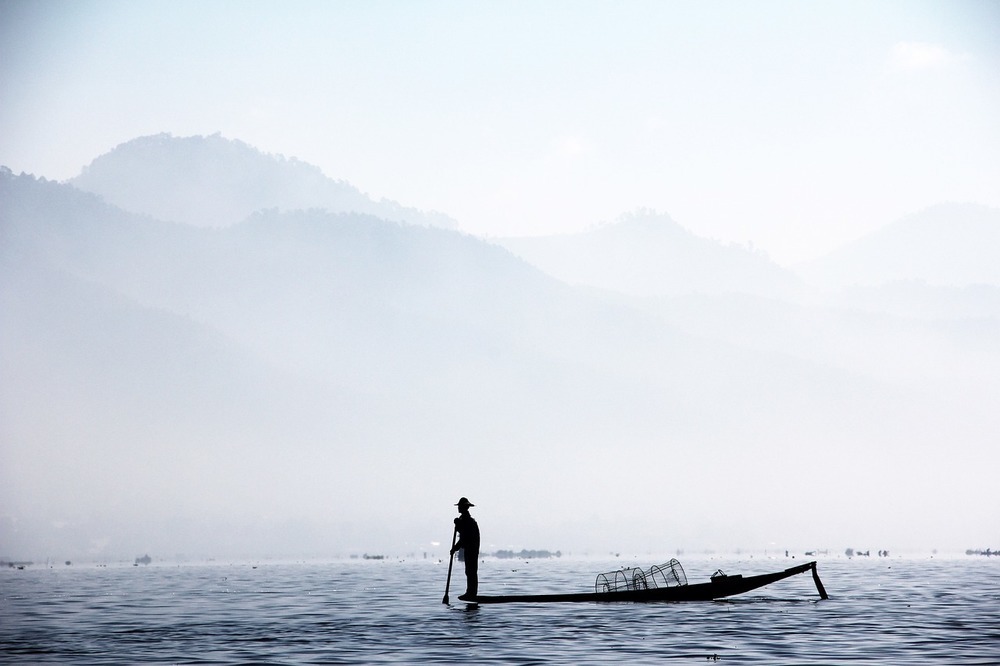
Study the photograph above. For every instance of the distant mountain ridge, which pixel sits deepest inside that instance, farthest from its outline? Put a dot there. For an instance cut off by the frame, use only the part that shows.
(649, 254)
(211, 181)
(948, 244)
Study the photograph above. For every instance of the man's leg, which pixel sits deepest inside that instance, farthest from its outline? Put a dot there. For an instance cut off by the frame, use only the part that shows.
(472, 574)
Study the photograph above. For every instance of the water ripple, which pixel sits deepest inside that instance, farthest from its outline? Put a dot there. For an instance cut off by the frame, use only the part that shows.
(906, 611)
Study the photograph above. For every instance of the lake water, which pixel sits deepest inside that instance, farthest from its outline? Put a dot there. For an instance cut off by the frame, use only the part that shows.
(880, 611)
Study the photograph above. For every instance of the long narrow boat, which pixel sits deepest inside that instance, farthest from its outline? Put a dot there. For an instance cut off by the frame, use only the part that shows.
(636, 585)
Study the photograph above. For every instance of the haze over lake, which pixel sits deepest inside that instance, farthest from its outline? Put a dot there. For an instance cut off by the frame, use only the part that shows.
(632, 278)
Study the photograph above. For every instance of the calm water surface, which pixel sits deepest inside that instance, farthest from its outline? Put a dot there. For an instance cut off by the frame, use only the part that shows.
(885, 611)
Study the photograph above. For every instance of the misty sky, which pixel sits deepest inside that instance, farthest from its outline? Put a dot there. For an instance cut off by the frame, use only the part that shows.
(795, 126)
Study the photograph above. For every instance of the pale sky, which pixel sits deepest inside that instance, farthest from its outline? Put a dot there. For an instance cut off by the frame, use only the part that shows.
(797, 126)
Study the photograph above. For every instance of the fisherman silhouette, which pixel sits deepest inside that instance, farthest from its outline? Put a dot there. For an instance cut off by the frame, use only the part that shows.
(468, 540)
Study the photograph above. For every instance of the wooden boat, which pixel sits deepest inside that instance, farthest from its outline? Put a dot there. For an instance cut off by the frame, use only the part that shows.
(663, 583)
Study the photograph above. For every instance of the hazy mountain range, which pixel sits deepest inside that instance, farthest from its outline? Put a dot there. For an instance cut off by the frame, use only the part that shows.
(216, 182)
(226, 352)
(945, 245)
(648, 254)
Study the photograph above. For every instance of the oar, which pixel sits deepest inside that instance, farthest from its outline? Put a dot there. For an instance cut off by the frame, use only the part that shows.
(451, 561)
(819, 583)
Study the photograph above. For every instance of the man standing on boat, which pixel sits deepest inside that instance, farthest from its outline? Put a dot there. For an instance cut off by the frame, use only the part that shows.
(468, 530)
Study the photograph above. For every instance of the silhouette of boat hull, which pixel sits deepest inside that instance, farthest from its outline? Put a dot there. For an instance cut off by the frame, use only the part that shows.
(719, 587)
